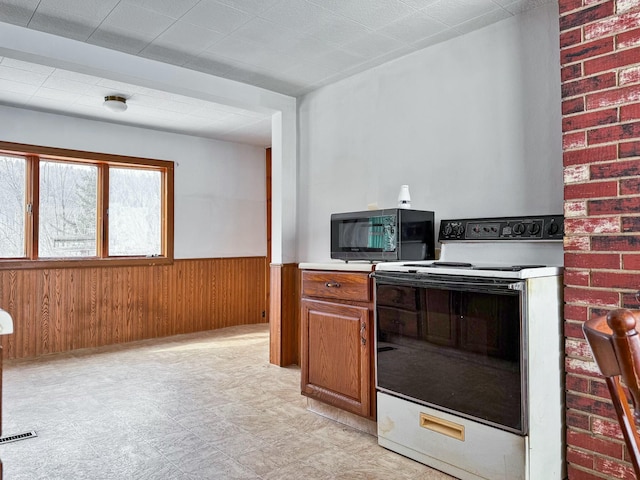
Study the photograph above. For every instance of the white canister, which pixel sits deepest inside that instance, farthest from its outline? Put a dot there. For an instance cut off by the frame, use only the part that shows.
(404, 199)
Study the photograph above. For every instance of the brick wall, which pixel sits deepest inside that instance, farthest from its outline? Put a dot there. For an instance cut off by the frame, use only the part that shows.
(600, 60)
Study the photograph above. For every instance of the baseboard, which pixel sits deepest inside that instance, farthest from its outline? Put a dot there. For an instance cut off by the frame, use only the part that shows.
(346, 418)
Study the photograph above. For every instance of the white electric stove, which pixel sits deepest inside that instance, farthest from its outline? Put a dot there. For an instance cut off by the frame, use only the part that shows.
(469, 354)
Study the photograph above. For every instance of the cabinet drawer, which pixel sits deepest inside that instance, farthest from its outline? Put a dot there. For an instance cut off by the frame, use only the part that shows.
(336, 285)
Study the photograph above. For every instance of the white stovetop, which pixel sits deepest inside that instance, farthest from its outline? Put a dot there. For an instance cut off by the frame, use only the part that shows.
(426, 267)
(490, 254)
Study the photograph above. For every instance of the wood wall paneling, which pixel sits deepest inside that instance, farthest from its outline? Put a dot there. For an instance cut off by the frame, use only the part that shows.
(284, 315)
(57, 310)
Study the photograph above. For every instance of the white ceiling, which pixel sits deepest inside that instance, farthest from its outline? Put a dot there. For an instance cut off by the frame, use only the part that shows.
(287, 46)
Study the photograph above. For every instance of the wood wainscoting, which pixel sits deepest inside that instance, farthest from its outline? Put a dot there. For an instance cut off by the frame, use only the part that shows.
(57, 310)
(284, 315)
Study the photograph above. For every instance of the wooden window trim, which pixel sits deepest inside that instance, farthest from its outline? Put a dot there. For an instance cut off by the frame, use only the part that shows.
(33, 154)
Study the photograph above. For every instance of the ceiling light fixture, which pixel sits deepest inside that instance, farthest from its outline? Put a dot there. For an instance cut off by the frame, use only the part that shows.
(115, 103)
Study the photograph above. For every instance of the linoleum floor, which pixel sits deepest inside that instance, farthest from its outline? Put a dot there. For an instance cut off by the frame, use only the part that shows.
(200, 406)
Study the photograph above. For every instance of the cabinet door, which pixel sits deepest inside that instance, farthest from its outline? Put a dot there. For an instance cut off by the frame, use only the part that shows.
(336, 355)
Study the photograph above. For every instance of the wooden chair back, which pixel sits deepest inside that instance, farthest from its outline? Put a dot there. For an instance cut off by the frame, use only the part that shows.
(615, 344)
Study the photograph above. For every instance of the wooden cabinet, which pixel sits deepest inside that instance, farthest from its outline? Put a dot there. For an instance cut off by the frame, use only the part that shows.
(337, 340)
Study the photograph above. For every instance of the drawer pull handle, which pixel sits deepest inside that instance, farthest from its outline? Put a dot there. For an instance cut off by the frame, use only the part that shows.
(438, 425)
(363, 340)
(332, 285)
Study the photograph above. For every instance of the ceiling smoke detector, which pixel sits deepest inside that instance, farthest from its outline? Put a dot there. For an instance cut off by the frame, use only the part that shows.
(115, 103)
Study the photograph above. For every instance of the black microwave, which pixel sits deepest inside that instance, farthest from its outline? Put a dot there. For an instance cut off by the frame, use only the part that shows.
(383, 235)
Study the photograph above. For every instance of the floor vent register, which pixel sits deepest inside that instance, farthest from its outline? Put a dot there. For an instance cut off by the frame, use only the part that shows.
(20, 436)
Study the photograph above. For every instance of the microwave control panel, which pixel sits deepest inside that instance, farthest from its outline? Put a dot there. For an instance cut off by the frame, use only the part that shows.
(545, 227)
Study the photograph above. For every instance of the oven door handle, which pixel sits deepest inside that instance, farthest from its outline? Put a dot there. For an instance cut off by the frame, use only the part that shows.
(452, 283)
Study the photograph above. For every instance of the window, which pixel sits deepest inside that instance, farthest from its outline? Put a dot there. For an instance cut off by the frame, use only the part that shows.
(65, 208)
(12, 203)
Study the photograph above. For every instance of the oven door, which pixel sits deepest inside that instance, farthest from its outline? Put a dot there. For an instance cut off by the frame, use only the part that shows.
(454, 343)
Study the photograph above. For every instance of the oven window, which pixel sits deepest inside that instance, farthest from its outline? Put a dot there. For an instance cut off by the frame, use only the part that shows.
(458, 350)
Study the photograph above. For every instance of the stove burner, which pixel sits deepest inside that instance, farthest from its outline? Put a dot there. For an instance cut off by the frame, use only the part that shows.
(512, 268)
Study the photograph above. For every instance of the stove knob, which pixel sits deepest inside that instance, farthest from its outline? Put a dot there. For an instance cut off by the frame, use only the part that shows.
(458, 230)
(534, 228)
(447, 229)
(518, 229)
(553, 228)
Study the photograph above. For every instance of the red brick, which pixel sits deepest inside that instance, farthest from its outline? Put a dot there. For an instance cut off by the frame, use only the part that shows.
(587, 15)
(599, 389)
(612, 61)
(629, 112)
(575, 312)
(629, 149)
(600, 153)
(571, 72)
(628, 39)
(617, 96)
(580, 52)
(590, 84)
(613, 206)
(576, 278)
(606, 428)
(613, 133)
(589, 190)
(625, 243)
(629, 75)
(631, 225)
(573, 105)
(575, 208)
(630, 186)
(589, 119)
(631, 261)
(579, 385)
(630, 300)
(573, 329)
(578, 457)
(598, 312)
(612, 25)
(592, 225)
(630, 168)
(580, 366)
(617, 470)
(574, 140)
(575, 419)
(589, 442)
(570, 37)
(568, 5)
(591, 297)
(577, 349)
(579, 474)
(577, 243)
(592, 260)
(615, 280)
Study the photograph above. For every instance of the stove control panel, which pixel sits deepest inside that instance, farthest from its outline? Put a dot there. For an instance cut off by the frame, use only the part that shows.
(544, 227)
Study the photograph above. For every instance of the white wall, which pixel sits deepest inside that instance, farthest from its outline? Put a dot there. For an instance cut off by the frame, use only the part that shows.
(220, 191)
(473, 125)
(59, 52)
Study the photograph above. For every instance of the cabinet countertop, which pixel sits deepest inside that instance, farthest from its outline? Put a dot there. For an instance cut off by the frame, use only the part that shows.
(340, 266)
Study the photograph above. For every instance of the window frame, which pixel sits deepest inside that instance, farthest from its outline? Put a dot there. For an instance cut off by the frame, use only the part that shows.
(33, 154)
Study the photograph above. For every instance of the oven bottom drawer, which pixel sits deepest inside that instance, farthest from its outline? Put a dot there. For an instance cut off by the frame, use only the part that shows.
(457, 446)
